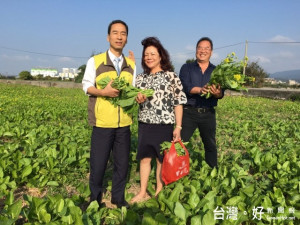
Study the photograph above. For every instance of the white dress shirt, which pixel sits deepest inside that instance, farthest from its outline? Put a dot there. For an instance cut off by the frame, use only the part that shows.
(89, 77)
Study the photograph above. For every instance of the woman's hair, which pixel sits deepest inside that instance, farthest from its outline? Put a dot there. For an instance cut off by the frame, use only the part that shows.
(165, 62)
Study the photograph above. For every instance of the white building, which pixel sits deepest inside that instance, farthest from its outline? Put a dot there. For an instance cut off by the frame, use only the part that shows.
(271, 80)
(292, 82)
(46, 72)
(68, 73)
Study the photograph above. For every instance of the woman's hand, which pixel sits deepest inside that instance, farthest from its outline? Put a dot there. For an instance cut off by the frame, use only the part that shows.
(176, 134)
(140, 98)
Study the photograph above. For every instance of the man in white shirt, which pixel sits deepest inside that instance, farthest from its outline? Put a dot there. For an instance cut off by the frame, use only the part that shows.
(111, 126)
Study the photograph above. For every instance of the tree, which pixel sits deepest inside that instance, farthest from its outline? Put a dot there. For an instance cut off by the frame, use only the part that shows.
(25, 75)
(256, 71)
(172, 67)
(81, 70)
(190, 60)
(39, 77)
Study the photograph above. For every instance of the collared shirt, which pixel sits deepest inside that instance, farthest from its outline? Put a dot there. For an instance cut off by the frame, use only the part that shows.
(191, 76)
(113, 57)
(168, 93)
(89, 78)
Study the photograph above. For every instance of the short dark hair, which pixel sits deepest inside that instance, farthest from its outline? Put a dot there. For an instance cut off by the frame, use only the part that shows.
(165, 62)
(206, 39)
(114, 22)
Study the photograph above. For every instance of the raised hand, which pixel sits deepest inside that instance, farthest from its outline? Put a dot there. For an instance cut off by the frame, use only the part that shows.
(131, 55)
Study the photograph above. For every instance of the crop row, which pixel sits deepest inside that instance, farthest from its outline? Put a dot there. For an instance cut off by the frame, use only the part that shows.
(44, 144)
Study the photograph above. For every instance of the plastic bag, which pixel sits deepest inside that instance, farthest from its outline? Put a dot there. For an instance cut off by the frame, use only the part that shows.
(175, 167)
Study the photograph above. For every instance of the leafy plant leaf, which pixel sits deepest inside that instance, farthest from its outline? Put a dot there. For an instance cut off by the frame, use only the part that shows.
(180, 211)
(14, 210)
(26, 171)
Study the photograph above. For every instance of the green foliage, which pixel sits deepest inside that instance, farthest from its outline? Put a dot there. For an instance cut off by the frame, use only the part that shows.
(47, 78)
(25, 75)
(172, 67)
(7, 77)
(45, 143)
(166, 145)
(228, 74)
(80, 75)
(40, 143)
(253, 69)
(295, 97)
(39, 77)
(190, 60)
(127, 95)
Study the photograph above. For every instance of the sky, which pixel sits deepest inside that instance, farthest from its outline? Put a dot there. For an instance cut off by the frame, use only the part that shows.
(65, 33)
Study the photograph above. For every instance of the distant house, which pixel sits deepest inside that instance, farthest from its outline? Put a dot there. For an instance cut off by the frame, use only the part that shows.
(292, 82)
(46, 72)
(68, 73)
(273, 81)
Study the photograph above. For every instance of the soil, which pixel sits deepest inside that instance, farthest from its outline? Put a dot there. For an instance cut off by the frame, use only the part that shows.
(36, 192)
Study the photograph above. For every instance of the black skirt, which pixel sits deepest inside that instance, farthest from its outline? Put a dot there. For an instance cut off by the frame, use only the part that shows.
(150, 136)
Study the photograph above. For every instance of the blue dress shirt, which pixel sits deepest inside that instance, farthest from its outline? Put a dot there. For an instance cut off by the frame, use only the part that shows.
(191, 76)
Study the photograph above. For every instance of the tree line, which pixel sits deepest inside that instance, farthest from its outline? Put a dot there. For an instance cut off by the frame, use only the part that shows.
(253, 69)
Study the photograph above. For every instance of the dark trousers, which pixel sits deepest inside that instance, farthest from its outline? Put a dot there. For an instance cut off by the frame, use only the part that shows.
(206, 123)
(105, 140)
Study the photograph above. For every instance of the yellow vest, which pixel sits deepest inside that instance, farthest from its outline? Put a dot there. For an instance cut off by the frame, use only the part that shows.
(101, 112)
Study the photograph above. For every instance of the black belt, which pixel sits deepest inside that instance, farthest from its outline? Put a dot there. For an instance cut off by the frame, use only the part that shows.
(200, 110)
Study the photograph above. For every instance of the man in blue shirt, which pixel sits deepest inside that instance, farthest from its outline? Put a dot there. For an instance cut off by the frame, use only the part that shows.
(199, 112)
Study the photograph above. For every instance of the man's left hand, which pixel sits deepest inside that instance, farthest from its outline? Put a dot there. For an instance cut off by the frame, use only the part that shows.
(216, 91)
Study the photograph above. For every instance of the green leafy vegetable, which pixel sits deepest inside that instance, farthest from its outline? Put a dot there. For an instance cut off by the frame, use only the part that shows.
(128, 93)
(48, 135)
(228, 74)
(167, 145)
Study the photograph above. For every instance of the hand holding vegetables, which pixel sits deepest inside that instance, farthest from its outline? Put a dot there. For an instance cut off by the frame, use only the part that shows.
(109, 91)
(226, 75)
(128, 96)
(140, 98)
(214, 89)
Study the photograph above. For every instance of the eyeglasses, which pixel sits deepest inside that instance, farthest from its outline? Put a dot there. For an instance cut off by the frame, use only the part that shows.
(204, 49)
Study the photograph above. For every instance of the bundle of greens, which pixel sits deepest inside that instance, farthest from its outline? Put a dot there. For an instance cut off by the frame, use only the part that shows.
(127, 95)
(118, 83)
(228, 74)
(167, 145)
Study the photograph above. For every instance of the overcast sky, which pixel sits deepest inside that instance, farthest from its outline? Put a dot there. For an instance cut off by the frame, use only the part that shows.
(64, 33)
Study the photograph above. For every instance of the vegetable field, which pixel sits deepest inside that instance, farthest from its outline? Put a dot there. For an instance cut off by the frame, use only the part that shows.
(44, 165)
